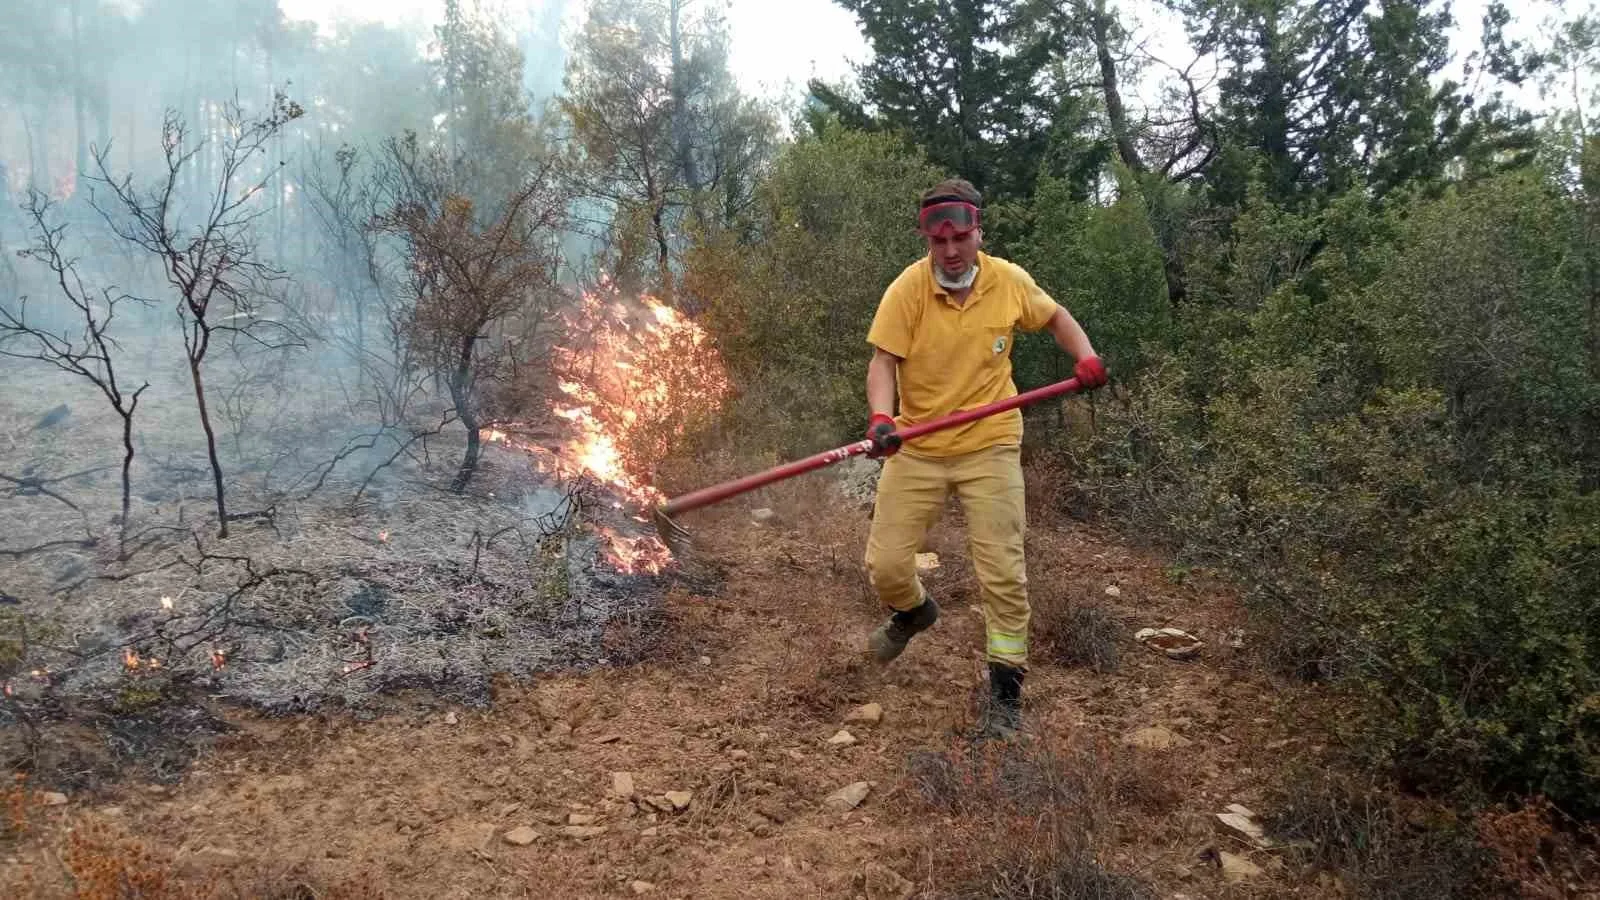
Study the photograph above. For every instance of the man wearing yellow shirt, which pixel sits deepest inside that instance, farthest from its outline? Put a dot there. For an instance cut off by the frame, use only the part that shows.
(942, 337)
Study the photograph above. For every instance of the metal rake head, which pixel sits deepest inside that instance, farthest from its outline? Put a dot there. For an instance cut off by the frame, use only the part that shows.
(675, 536)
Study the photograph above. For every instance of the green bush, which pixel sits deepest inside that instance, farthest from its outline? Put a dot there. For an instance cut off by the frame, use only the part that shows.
(1391, 440)
(791, 307)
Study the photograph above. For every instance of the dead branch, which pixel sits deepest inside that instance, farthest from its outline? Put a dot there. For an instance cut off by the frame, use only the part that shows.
(418, 435)
(37, 486)
(48, 545)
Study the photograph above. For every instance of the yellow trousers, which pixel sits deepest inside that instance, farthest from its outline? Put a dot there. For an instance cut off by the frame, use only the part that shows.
(912, 491)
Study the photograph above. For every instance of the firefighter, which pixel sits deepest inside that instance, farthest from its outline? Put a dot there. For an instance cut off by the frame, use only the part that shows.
(942, 339)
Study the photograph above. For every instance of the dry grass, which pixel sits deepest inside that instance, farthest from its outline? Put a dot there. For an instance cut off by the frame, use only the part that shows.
(1380, 844)
(1540, 853)
(1026, 821)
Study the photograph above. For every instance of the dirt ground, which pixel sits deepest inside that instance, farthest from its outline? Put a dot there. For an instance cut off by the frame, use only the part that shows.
(738, 688)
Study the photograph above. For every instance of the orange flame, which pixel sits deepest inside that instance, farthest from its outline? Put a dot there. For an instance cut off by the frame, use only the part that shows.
(132, 661)
(633, 381)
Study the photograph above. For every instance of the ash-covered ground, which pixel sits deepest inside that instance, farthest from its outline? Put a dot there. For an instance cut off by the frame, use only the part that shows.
(348, 590)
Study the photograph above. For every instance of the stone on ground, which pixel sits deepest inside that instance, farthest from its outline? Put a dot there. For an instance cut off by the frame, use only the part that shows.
(520, 836)
(848, 797)
(871, 714)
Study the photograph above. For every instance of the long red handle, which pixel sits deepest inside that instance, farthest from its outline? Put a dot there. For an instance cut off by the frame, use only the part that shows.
(719, 492)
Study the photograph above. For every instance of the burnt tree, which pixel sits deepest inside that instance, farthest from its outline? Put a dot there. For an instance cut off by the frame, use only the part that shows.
(211, 263)
(89, 355)
(480, 284)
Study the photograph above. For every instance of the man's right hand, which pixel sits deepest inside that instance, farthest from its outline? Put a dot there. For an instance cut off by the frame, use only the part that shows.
(880, 431)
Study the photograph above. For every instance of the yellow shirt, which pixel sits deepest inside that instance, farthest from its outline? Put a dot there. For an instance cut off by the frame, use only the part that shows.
(958, 357)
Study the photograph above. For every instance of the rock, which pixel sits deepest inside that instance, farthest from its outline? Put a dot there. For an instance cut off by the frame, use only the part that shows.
(450, 718)
(858, 479)
(610, 738)
(705, 660)
(582, 818)
(209, 857)
(772, 809)
(520, 836)
(622, 784)
(842, 739)
(1241, 822)
(53, 798)
(763, 516)
(640, 887)
(1113, 591)
(871, 713)
(652, 831)
(927, 562)
(1236, 869)
(736, 753)
(848, 797)
(1155, 738)
(680, 800)
(1174, 643)
(879, 882)
(583, 831)
(559, 730)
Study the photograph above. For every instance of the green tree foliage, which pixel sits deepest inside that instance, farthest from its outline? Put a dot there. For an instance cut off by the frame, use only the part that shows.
(963, 81)
(1324, 95)
(834, 224)
(1103, 264)
(669, 143)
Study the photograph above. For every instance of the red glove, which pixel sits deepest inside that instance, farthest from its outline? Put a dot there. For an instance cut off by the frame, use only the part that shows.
(880, 431)
(1090, 372)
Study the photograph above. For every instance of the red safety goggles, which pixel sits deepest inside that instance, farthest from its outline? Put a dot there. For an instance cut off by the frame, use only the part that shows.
(955, 217)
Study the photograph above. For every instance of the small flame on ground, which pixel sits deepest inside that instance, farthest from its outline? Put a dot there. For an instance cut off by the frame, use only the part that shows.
(166, 603)
(383, 536)
(132, 661)
(218, 659)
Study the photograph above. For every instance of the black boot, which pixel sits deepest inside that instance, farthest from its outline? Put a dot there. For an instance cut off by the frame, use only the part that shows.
(891, 637)
(1002, 717)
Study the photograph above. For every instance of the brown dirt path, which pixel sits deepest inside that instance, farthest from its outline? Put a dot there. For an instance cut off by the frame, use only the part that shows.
(741, 689)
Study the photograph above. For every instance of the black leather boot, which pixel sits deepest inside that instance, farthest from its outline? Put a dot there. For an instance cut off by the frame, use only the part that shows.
(1002, 717)
(890, 638)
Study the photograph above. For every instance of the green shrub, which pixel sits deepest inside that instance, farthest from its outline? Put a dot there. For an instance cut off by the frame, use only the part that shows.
(1392, 443)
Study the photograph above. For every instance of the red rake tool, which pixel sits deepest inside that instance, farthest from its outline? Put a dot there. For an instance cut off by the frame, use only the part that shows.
(677, 538)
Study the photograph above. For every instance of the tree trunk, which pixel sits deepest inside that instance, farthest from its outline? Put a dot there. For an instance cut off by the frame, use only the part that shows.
(1171, 256)
(127, 474)
(460, 394)
(1115, 111)
(211, 437)
(680, 102)
(658, 225)
(81, 161)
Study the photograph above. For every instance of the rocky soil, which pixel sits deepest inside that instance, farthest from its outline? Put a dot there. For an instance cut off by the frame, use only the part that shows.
(739, 745)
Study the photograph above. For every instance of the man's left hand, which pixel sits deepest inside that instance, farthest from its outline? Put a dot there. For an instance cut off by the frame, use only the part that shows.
(1090, 372)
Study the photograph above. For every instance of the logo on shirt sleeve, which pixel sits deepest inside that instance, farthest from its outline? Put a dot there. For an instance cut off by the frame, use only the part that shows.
(999, 345)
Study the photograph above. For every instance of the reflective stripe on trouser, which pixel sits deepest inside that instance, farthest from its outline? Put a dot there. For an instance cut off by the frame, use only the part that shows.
(911, 494)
